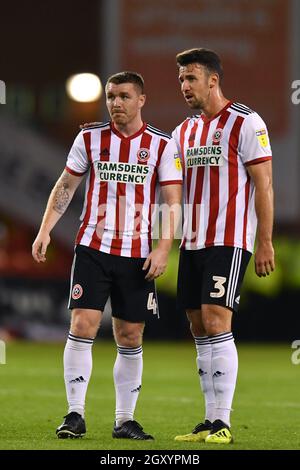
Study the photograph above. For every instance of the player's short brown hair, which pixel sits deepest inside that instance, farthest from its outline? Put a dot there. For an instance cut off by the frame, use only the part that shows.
(209, 59)
(127, 77)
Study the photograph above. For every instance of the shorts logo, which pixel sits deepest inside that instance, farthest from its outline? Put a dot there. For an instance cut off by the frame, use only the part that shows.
(217, 135)
(77, 292)
(143, 155)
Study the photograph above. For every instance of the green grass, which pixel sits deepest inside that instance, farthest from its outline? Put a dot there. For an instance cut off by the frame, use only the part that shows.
(266, 406)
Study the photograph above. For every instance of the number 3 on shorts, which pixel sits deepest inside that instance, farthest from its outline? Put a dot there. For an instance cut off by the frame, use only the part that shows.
(219, 281)
(151, 304)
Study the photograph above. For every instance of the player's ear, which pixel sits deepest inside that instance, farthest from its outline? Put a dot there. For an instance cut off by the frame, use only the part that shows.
(213, 80)
(142, 100)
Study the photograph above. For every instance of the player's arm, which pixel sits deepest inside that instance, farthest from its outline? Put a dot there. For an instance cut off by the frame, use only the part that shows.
(261, 175)
(59, 199)
(158, 258)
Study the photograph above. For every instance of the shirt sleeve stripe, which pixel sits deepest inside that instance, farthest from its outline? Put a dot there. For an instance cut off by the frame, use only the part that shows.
(72, 172)
(258, 160)
(165, 183)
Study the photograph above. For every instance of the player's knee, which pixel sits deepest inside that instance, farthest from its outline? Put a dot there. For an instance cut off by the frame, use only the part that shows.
(83, 325)
(213, 327)
(216, 319)
(196, 324)
(197, 329)
(215, 324)
(129, 337)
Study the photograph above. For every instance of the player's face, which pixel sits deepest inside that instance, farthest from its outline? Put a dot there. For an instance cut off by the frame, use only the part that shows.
(195, 85)
(124, 102)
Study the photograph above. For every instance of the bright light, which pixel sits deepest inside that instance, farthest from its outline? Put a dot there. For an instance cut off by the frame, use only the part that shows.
(84, 87)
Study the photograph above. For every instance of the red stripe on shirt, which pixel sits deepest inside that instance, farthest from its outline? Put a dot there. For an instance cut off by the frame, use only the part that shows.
(138, 204)
(191, 141)
(198, 188)
(161, 148)
(87, 143)
(151, 207)
(232, 181)
(116, 244)
(214, 190)
(182, 134)
(105, 137)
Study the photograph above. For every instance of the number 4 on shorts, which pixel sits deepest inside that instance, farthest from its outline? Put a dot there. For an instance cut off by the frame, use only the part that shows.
(151, 304)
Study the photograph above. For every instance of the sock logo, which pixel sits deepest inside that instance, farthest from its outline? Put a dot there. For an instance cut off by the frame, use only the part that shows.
(77, 292)
(77, 380)
(218, 374)
(201, 372)
(136, 389)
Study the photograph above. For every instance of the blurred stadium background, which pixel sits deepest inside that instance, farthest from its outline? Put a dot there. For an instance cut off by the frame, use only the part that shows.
(43, 44)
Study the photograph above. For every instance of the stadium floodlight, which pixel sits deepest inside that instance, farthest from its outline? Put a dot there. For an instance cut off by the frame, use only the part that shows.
(84, 87)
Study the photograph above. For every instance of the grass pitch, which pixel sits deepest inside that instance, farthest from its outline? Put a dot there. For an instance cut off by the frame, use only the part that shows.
(266, 406)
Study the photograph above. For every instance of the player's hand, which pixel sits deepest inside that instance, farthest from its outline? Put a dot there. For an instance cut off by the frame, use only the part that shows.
(264, 259)
(39, 247)
(89, 124)
(157, 263)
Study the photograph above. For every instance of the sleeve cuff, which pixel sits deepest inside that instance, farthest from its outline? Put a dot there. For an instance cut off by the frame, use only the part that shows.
(166, 183)
(74, 173)
(258, 160)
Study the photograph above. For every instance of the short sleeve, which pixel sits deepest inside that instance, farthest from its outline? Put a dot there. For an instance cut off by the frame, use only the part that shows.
(254, 143)
(169, 169)
(77, 161)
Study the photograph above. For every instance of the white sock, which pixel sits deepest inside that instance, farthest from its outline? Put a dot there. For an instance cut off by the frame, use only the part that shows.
(77, 371)
(127, 372)
(224, 372)
(204, 356)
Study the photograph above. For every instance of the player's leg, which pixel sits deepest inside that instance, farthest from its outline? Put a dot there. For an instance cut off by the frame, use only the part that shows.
(204, 364)
(78, 368)
(130, 309)
(128, 368)
(224, 272)
(78, 356)
(189, 298)
(88, 294)
(224, 367)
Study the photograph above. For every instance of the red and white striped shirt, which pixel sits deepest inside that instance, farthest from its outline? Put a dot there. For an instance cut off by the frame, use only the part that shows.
(218, 191)
(121, 186)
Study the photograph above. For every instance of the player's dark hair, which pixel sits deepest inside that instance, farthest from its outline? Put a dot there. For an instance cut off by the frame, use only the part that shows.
(127, 77)
(205, 57)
